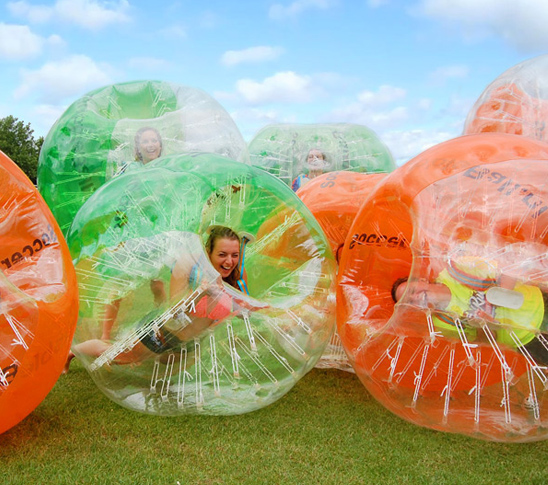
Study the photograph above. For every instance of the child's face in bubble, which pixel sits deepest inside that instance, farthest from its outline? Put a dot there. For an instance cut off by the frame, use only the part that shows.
(150, 147)
(315, 159)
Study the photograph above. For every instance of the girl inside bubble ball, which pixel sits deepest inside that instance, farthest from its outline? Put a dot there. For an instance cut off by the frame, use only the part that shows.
(316, 162)
(147, 146)
(212, 306)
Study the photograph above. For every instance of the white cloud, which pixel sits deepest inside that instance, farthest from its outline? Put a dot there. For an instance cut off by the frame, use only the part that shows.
(251, 55)
(90, 14)
(47, 115)
(375, 109)
(458, 107)
(520, 22)
(442, 74)
(19, 42)
(405, 145)
(59, 80)
(281, 12)
(385, 95)
(285, 87)
(377, 120)
(35, 14)
(55, 41)
(254, 114)
(148, 63)
(282, 87)
(251, 120)
(174, 32)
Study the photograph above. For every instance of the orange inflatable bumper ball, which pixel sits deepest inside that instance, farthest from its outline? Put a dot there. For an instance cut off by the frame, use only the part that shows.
(38, 297)
(443, 286)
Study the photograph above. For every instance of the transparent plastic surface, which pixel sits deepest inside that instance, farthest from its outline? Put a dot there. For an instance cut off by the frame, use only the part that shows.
(295, 153)
(38, 297)
(112, 129)
(147, 229)
(436, 235)
(334, 199)
(516, 102)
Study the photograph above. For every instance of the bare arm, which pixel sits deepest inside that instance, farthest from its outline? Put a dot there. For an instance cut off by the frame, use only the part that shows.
(111, 313)
(434, 295)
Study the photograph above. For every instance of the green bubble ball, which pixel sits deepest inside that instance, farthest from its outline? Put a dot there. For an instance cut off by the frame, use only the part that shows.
(96, 138)
(284, 150)
(135, 232)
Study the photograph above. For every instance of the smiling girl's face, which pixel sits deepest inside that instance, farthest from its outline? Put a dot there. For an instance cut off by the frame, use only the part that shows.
(150, 146)
(225, 256)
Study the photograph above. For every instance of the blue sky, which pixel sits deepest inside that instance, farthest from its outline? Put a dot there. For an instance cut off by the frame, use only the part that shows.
(409, 70)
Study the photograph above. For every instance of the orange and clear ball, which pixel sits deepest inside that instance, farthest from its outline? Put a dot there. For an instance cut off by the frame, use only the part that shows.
(516, 102)
(480, 199)
(38, 297)
(335, 198)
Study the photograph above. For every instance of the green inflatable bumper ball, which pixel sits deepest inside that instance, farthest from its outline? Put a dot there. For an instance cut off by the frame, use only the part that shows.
(123, 127)
(171, 322)
(298, 153)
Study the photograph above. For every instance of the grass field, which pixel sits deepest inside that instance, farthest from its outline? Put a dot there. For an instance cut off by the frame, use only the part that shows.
(328, 429)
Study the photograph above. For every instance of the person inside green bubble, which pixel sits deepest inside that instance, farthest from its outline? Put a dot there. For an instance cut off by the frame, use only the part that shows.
(316, 162)
(147, 146)
(213, 304)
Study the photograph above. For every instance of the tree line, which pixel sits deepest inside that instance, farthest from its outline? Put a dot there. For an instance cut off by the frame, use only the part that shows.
(18, 143)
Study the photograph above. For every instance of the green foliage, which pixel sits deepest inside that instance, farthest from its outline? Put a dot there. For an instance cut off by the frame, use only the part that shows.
(326, 430)
(18, 143)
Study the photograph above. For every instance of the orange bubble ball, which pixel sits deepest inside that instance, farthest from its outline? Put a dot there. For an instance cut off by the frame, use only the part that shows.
(334, 199)
(38, 297)
(463, 217)
(516, 102)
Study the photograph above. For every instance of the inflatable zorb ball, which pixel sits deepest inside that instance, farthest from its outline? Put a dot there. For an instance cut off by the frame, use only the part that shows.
(38, 297)
(291, 151)
(516, 102)
(464, 226)
(183, 341)
(334, 199)
(98, 138)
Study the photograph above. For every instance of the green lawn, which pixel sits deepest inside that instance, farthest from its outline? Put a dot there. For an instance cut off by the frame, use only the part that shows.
(328, 429)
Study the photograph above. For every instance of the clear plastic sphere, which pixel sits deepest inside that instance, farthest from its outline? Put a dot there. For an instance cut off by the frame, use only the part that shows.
(334, 199)
(122, 127)
(183, 340)
(294, 152)
(38, 297)
(458, 237)
(516, 102)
